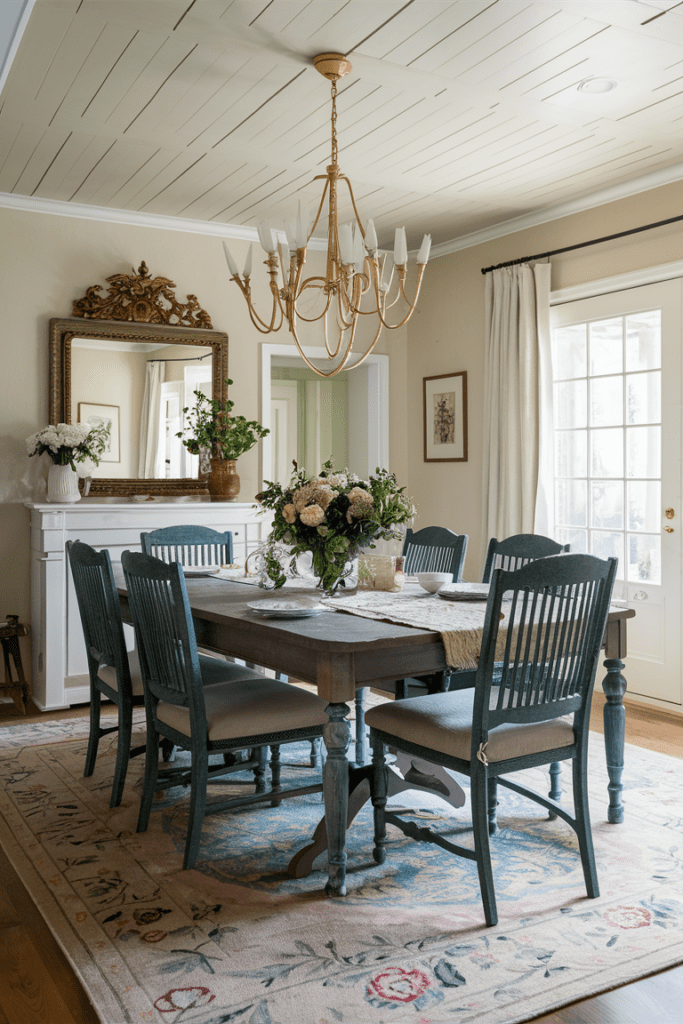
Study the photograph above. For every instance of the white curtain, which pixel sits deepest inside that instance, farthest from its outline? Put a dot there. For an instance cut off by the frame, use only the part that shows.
(151, 457)
(518, 437)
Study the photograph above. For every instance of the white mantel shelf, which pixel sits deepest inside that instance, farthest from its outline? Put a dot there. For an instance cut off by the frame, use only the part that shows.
(60, 672)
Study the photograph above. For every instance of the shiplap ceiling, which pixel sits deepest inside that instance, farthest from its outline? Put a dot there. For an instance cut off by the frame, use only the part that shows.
(458, 114)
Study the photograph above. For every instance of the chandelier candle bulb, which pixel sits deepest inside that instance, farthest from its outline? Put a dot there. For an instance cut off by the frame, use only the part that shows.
(249, 260)
(423, 254)
(371, 237)
(358, 251)
(400, 247)
(232, 266)
(266, 237)
(387, 274)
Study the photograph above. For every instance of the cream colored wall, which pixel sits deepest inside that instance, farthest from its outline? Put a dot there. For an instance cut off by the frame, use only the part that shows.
(48, 261)
(446, 333)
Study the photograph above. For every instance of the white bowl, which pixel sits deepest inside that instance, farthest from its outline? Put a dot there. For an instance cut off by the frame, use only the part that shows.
(433, 581)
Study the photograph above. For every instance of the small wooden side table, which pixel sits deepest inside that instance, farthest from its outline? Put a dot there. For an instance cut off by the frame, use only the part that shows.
(10, 631)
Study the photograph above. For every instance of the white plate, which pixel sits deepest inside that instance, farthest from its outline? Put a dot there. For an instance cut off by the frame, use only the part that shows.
(200, 570)
(286, 608)
(465, 592)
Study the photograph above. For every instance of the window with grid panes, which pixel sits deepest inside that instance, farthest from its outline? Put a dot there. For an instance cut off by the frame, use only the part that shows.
(607, 410)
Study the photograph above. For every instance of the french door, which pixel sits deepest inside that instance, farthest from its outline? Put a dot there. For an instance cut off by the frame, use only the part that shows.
(617, 410)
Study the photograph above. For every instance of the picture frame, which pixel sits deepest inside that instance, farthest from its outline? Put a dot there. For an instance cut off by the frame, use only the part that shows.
(97, 415)
(445, 417)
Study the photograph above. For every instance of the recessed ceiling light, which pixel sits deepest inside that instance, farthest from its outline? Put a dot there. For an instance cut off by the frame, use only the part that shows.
(597, 85)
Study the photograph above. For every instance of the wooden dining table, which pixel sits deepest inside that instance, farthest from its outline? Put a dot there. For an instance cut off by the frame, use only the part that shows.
(340, 653)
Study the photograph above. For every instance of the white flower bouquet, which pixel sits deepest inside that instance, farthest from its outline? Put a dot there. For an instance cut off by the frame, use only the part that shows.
(69, 443)
(334, 516)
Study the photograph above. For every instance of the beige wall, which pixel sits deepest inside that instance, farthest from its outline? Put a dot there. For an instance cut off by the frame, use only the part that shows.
(48, 261)
(446, 334)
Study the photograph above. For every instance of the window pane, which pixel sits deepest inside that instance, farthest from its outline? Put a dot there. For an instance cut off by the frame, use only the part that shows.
(643, 452)
(571, 453)
(609, 545)
(570, 404)
(643, 397)
(643, 340)
(570, 503)
(577, 539)
(569, 351)
(644, 504)
(607, 504)
(606, 347)
(607, 401)
(645, 558)
(607, 452)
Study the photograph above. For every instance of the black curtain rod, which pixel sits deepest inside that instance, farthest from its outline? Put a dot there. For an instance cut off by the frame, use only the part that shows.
(581, 245)
(192, 359)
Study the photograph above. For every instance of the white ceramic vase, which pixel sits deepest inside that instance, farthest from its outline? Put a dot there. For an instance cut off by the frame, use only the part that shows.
(62, 484)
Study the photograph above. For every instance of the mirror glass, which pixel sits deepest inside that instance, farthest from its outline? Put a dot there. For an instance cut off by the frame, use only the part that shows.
(139, 390)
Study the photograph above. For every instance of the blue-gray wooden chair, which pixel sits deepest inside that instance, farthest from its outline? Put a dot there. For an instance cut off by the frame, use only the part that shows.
(514, 552)
(253, 713)
(537, 712)
(432, 549)
(189, 545)
(114, 671)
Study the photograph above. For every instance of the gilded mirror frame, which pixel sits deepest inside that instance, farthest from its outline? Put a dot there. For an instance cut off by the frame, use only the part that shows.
(61, 333)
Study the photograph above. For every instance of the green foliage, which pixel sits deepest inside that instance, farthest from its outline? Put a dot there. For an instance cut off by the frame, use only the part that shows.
(211, 426)
(334, 516)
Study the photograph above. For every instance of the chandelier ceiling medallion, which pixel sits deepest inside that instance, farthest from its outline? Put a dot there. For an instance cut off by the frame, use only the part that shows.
(355, 268)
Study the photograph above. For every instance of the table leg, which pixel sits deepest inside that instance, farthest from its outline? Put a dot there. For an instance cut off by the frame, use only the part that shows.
(614, 718)
(336, 734)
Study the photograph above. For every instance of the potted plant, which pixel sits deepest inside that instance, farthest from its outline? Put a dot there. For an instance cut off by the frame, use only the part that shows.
(67, 444)
(212, 428)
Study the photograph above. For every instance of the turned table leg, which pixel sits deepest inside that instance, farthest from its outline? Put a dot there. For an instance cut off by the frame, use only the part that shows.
(614, 719)
(336, 734)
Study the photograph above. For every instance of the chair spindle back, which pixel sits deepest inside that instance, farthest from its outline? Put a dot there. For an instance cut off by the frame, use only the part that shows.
(189, 545)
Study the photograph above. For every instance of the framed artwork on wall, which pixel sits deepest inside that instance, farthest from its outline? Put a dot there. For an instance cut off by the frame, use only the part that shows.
(103, 416)
(445, 417)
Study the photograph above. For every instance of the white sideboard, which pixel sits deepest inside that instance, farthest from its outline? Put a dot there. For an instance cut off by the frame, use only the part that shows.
(60, 671)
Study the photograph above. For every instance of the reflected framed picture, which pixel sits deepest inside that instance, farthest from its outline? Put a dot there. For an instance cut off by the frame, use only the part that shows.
(445, 417)
(103, 416)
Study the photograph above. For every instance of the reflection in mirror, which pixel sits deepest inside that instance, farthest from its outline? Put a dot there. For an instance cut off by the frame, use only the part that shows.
(140, 390)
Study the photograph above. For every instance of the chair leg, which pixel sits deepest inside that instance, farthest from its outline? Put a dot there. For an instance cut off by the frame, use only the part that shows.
(401, 689)
(260, 770)
(315, 753)
(481, 844)
(94, 737)
(150, 777)
(555, 786)
(583, 827)
(378, 784)
(200, 779)
(361, 739)
(275, 772)
(122, 753)
(492, 804)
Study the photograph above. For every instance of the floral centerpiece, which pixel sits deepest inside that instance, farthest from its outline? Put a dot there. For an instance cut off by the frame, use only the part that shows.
(333, 516)
(211, 428)
(68, 444)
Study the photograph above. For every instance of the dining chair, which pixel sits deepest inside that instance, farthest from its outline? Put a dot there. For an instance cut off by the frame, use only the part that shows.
(189, 545)
(115, 671)
(547, 637)
(514, 552)
(253, 713)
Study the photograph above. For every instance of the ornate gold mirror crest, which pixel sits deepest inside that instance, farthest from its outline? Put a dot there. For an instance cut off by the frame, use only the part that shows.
(138, 319)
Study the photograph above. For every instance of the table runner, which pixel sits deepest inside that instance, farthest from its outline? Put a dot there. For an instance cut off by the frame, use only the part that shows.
(461, 623)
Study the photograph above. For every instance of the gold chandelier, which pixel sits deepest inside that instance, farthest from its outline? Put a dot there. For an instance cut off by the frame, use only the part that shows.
(355, 268)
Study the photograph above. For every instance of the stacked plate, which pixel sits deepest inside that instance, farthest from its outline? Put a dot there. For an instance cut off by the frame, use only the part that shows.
(465, 592)
(194, 571)
(286, 608)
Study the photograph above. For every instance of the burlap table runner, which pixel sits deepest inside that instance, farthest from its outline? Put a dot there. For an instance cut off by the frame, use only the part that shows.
(460, 623)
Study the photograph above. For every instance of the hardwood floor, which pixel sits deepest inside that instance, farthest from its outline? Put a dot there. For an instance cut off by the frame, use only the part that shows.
(37, 985)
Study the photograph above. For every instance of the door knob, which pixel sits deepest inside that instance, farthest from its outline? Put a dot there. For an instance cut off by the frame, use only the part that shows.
(668, 529)
(669, 513)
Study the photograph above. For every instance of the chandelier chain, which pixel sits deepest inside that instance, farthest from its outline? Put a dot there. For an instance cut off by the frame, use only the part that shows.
(334, 123)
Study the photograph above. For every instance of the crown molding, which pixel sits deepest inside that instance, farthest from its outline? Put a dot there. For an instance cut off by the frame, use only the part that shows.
(656, 179)
(58, 208)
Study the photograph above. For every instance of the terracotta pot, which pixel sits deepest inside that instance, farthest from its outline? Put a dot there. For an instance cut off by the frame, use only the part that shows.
(62, 484)
(223, 482)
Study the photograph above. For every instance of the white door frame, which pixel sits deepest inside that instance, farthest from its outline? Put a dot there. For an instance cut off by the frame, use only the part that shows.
(377, 403)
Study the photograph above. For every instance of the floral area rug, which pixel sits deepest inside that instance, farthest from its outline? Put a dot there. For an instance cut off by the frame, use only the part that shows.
(236, 941)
